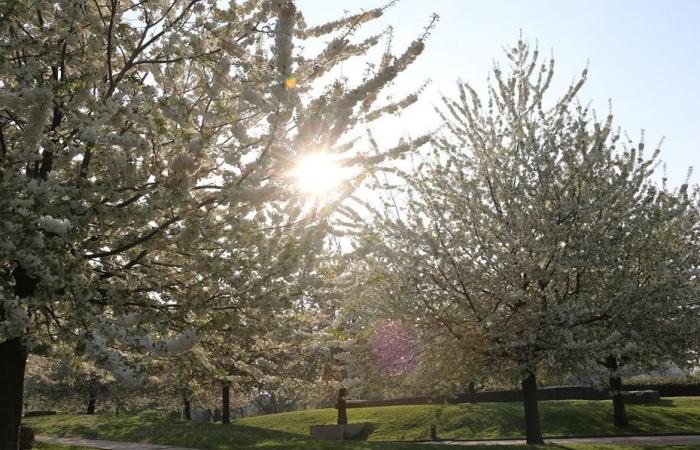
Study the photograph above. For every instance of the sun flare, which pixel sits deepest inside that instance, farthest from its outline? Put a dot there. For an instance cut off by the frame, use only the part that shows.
(317, 174)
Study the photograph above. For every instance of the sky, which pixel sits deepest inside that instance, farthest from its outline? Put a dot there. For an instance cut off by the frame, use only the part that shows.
(642, 55)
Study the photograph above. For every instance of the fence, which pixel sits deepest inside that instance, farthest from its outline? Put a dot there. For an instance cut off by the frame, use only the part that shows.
(546, 393)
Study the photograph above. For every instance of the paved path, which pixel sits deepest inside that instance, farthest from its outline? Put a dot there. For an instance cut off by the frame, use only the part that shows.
(691, 439)
(108, 445)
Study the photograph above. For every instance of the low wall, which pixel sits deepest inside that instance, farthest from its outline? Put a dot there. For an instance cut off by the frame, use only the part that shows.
(546, 393)
(668, 389)
(39, 413)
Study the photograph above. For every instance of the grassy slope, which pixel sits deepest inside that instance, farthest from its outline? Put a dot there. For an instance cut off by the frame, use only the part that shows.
(498, 420)
(290, 430)
(157, 428)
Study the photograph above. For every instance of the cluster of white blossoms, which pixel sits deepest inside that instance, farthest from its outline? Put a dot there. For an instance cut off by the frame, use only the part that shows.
(350, 364)
(181, 343)
(16, 321)
(49, 224)
(346, 347)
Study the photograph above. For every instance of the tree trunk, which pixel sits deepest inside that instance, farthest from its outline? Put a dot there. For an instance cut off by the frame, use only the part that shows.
(341, 405)
(533, 432)
(91, 404)
(273, 401)
(225, 404)
(616, 393)
(186, 410)
(13, 360)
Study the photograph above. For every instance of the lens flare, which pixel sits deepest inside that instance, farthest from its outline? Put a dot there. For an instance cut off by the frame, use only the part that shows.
(290, 82)
(318, 174)
(395, 347)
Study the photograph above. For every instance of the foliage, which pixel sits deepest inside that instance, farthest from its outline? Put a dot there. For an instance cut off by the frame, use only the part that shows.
(534, 235)
(146, 169)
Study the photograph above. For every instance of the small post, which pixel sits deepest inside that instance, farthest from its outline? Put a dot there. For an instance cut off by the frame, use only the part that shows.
(433, 432)
(342, 411)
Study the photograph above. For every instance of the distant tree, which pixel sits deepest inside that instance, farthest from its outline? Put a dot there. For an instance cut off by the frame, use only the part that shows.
(391, 349)
(513, 230)
(66, 382)
(648, 298)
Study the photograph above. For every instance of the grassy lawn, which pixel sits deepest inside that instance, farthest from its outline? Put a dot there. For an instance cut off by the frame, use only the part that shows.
(158, 428)
(468, 421)
(498, 420)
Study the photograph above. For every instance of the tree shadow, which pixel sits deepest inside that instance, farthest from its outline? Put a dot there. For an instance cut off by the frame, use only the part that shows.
(365, 433)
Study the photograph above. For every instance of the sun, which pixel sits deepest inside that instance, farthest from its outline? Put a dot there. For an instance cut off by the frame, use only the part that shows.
(318, 174)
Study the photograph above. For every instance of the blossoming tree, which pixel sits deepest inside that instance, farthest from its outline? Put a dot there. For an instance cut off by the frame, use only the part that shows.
(517, 228)
(647, 300)
(145, 156)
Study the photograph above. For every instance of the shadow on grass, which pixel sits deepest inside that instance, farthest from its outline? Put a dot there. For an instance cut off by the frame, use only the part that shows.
(157, 429)
(388, 424)
(664, 402)
(364, 434)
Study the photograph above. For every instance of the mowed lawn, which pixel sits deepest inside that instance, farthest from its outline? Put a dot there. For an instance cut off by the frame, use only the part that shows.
(393, 423)
(498, 420)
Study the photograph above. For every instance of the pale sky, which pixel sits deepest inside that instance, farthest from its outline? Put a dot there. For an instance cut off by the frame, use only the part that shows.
(643, 55)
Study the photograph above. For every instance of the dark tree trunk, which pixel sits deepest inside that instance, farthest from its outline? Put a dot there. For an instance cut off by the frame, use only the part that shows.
(533, 432)
(225, 404)
(91, 404)
(341, 405)
(616, 393)
(13, 360)
(186, 410)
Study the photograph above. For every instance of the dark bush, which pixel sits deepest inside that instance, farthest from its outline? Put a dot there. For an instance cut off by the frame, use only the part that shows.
(39, 413)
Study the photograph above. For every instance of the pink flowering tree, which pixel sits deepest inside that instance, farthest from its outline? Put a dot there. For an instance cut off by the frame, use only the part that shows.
(396, 348)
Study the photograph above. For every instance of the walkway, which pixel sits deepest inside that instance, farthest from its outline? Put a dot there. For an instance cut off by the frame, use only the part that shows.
(108, 445)
(691, 439)
(618, 440)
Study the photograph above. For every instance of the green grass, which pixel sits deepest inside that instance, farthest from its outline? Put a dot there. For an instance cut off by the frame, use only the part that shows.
(498, 420)
(396, 423)
(158, 428)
